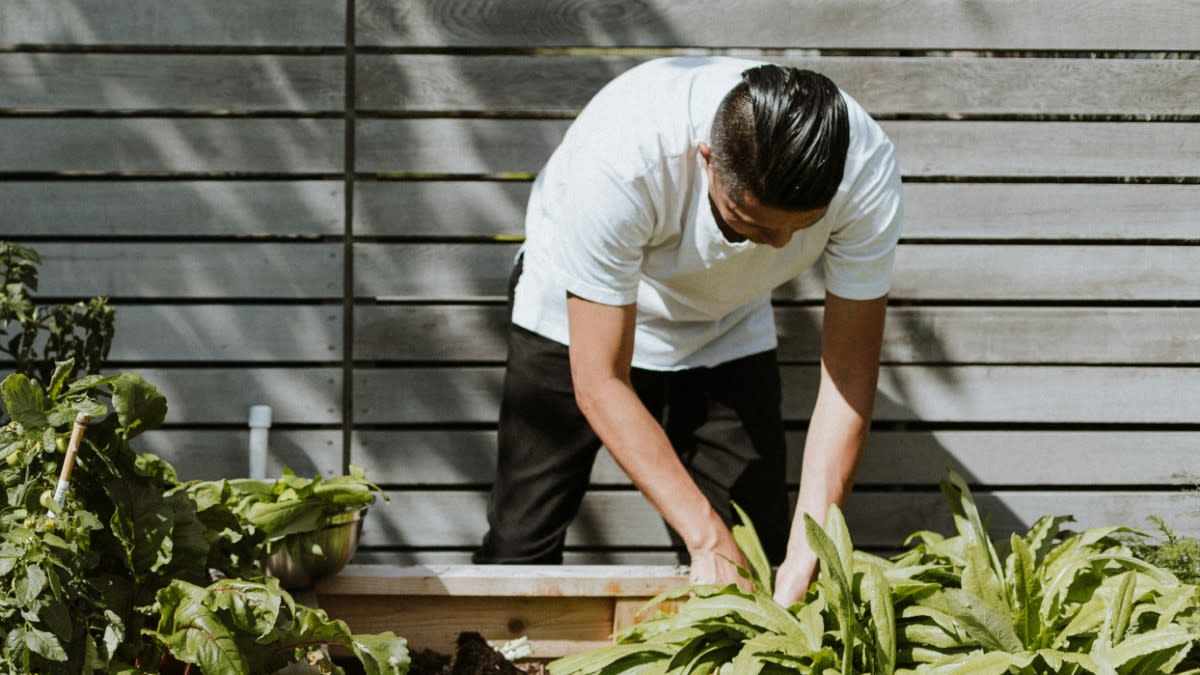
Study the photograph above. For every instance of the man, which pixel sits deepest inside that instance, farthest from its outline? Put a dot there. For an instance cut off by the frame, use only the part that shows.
(684, 192)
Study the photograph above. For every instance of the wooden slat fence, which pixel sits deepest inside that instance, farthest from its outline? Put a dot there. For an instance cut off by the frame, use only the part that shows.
(314, 205)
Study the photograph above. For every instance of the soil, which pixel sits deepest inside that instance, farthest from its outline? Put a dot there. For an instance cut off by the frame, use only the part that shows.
(473, 656)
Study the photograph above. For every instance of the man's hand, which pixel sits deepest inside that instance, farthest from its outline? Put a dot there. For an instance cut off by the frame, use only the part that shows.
(793, 578)
(711, 564)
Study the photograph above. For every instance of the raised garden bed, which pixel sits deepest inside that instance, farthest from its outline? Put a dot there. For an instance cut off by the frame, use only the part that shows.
(560, 609)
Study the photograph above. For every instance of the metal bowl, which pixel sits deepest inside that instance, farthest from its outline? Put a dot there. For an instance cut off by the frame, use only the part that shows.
(296, 561)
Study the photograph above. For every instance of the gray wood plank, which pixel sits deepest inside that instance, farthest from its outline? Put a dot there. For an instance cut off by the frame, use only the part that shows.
(876, 519)
(171, 209)
(991, 394)
(922, 272)
(867, 24)
(261, 333)
(191, 82)
(224, 395)
(884, 85)
(375, 556)
(993, 211)
(476, 333)
(924, 148)
(1057, 211)
(192, 270)
(441, 271)
(433, 458)
(205, 454)
(147, 22)
(51, 144)
(440, 208)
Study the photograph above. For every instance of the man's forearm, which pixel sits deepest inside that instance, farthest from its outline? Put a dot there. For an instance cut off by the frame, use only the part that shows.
(639, 445)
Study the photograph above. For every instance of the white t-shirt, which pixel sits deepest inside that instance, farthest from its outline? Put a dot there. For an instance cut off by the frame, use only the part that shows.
(620, 214)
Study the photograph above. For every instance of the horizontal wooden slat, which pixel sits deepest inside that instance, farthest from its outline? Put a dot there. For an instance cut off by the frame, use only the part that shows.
(192, 270)
(999, 394)
(148, 22)
(1058, 211)
(441, 271)
(1050, 211)
(867, 24)
(913, 334)
(913, 458)
(213, 455)
(922, 272)
(440, 208)
(224, 395)
(875, 519)
(924, 148)
(503, 581)
(171, 209)
(171, 82)
(554, 626)
(227, 333)
(53, 144)
(382, 556)
(884, 85)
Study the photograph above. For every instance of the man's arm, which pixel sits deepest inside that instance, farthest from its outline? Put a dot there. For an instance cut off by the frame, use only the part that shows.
(601, 353)
(851, 339)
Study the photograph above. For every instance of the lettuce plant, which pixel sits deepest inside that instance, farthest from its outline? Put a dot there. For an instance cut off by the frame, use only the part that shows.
(1054, 602)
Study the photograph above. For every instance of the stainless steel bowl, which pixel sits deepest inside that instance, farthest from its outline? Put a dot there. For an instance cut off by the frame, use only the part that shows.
(296, 562)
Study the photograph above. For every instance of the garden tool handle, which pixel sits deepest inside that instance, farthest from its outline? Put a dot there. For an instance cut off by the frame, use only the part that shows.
(64, 477)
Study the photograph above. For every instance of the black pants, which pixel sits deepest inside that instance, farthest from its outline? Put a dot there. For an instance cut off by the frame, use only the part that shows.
(724, 422)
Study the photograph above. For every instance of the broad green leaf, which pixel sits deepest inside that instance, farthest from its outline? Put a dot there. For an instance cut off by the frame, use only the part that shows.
(594, 660)
(884, 617)
(201, 638)
(979, 663)
(39, 642)
(991, 629)
(62, 371)
(1122, 609)
(25, 401)
(748, 542)
(1158, 651)
(1025, 593)
(138, 404)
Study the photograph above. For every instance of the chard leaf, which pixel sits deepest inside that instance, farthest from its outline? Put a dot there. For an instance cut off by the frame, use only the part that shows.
(25, 401)
(200, 638)
(747, 540)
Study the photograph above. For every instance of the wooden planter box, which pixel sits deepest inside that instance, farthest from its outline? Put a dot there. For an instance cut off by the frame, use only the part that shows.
(561, 609)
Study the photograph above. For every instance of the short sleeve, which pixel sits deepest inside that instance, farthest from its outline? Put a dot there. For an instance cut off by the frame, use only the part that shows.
(602, 223)
(861, 250)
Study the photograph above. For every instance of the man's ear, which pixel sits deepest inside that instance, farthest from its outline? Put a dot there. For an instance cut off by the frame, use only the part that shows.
(706, 153)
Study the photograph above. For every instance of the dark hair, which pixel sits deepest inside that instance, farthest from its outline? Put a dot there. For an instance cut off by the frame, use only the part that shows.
(782, 134)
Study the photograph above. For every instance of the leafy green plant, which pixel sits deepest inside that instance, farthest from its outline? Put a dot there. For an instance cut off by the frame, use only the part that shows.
(289, 505)
(84, 586)
(1055, 602)
(38, 337)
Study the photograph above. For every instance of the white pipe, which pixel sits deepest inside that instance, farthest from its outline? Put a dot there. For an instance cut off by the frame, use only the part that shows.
(260, 423)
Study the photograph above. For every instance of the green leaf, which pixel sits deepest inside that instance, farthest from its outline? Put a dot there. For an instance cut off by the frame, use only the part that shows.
(62, 371)
(39, 642)
(1024, 589)
(883, 616)
(981, 663)
(991, 629)
(25, 401)
(1123, 609)
(138, 404)
(747, 540)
